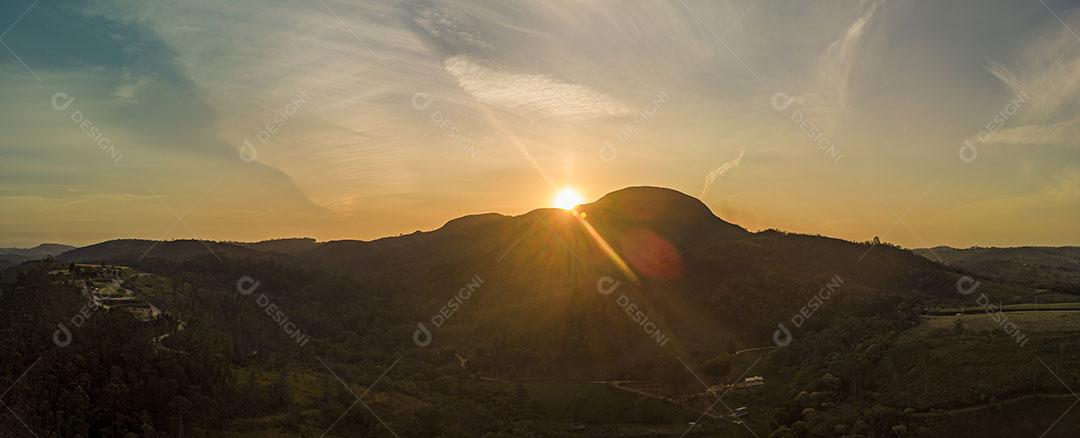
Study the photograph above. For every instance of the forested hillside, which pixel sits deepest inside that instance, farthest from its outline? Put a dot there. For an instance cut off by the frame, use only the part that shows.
(489, 326)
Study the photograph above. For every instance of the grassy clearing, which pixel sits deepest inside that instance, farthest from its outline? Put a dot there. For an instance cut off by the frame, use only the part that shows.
(594, 403)
(1034, 418)
(742, 363)
(1049, 322)
(614, 412)
(939, 365)
(1006, 307)
(151, 286)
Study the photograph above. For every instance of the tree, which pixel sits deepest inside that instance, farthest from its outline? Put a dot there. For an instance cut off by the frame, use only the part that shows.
(521, 396)
(782, 432)
(830, 382)
(575, 409)
(718, 366)
(281, 393)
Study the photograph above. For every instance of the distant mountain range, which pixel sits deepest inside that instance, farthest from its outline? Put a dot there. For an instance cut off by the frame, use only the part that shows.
(674, 221)
(712, 282)
(1053, 269)
(130, 251)
(644, 285)
(291, 246)
(640, 224)
(707, 279)
(14, 256)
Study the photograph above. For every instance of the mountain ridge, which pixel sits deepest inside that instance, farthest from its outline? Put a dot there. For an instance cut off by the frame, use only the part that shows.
(14, 256)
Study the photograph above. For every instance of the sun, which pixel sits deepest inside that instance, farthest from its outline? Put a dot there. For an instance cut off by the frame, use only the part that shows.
(567, 199)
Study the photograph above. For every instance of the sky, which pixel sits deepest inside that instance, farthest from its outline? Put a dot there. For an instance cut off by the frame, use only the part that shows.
(921, 122)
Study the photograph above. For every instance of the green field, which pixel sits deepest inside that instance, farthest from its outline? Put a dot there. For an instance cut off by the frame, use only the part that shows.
(1006, 307)
(593, 403)
(938, 365)
(1031, 418)
(151, 286)
(614, 412)
(747, 363)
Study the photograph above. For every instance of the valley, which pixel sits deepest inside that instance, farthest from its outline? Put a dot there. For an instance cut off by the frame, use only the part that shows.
(535, 328)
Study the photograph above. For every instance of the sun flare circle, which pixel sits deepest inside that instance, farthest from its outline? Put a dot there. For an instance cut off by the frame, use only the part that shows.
(567, 199)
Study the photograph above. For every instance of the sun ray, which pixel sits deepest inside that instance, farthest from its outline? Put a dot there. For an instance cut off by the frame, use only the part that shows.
(609, 251)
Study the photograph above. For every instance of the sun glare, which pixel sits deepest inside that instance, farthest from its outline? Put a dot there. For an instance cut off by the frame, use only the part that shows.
(567, 199)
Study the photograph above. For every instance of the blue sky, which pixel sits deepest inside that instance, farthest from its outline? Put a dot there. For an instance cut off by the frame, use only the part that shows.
(373, 118)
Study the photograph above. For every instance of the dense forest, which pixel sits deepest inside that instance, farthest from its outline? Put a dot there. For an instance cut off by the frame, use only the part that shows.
(498, 326)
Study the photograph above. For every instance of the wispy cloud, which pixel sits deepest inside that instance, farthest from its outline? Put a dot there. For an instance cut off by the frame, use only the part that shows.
(1063, 133)
(1006, 76)
(205, 75)
(721, 171)
(448, 25)
(827, 99)
(127, 91)
(533, 96)
(458, 37)
(1048, 73)
(1048, 79)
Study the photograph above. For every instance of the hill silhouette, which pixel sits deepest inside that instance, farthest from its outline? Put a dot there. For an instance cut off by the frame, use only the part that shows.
(291, 246)
(644, 285)
(1053, 269)
(130, 251)
(14, 256)
(706, 282)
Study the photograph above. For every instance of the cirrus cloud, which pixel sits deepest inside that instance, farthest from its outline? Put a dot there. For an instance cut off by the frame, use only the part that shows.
(533, 96)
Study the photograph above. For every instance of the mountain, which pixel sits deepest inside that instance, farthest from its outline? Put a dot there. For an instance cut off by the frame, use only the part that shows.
(696, 272)
(526, 325)
(131, 251)
(705, 282)
(291, 246)
(1053, 269)
(14, 256)
(37, 252)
